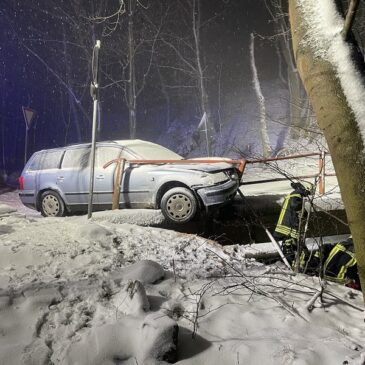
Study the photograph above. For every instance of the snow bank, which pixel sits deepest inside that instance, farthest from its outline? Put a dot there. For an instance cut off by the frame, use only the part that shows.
(79, 292)
(129, 340)
(6, 209)
(142, 217)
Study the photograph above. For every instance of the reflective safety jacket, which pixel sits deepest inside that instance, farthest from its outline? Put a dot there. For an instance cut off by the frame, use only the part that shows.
(288, 222)
(340, 265)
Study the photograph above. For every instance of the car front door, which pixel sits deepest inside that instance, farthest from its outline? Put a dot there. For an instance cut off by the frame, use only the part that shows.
(138, 185)
(104, 177)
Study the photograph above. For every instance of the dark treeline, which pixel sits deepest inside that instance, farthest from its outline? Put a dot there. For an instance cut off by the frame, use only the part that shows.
(164, 64)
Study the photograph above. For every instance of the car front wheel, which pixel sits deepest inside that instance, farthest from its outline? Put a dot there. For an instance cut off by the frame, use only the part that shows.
(52, 204)
(179, 205)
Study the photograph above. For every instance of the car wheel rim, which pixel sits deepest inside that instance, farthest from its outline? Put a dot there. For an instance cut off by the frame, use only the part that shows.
(50, 205)
(179, 206)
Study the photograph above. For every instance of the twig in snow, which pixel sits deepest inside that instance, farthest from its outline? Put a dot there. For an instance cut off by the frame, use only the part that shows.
(252, 286)
(310, 304)
(200, 295)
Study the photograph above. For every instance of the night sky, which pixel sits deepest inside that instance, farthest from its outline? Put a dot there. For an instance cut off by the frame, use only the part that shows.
(45, 55)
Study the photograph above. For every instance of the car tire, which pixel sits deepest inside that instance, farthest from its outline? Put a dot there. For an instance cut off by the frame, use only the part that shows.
(179, 205)
(51, 204)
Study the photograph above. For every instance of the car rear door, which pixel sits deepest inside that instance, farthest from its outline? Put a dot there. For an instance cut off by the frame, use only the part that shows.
(74, 175)
(46, 177)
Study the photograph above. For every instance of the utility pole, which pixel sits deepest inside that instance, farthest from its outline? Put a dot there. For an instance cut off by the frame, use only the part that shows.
(94, 91)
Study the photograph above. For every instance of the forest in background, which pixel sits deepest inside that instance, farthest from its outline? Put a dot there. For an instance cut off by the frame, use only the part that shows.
(163, 66)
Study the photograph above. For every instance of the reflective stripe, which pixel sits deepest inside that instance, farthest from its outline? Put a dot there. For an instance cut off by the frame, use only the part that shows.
(283, 209)
(285, 206)
(280, 227)
(302, 260)
(340, 276)
(342, 273)
(287, 231)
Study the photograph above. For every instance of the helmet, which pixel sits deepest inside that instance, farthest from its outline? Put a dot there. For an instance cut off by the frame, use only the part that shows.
(304, 188)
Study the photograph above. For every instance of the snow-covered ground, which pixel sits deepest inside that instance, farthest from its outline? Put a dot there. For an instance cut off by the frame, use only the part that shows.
(110, 291)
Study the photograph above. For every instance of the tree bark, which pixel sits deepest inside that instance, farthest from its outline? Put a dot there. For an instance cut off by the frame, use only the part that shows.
(337, 120)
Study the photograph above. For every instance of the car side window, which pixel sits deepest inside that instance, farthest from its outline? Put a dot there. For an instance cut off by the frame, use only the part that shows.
(50, 160)
(76, 158)
(34, 164)
(105, 154)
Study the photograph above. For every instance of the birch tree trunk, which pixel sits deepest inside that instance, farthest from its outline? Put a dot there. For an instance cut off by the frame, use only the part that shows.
(132, 99)
(200, 73)
(266, 148)
(337, 120)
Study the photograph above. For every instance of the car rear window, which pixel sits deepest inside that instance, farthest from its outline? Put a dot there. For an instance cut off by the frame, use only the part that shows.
(76, 158)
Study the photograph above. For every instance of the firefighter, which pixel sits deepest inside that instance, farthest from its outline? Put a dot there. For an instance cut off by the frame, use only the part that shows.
(287, 226)
(338, 263)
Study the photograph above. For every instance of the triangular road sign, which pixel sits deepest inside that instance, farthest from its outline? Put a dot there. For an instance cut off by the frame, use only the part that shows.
(29, 115)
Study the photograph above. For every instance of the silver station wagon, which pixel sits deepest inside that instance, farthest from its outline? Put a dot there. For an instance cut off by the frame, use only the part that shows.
(56, 181)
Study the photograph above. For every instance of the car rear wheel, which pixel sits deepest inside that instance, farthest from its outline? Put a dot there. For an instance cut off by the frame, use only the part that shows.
(179, 205)
(52, 204)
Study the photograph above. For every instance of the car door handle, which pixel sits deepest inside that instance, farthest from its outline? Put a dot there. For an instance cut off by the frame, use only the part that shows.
(60, 178)
(100, 177)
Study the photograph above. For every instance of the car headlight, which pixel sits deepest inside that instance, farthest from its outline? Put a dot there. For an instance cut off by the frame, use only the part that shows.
(233, 174)
(213, 179)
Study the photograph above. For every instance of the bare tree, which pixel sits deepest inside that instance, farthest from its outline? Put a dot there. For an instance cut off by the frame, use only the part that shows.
(266, 147)
(63, 52)
(186, 60)
(133, 49)
(298, 101)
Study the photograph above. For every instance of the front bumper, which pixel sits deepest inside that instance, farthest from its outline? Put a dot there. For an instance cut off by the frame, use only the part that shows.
(218, 194)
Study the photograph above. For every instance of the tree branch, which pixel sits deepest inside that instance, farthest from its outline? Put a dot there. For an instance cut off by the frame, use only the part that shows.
(350, 17)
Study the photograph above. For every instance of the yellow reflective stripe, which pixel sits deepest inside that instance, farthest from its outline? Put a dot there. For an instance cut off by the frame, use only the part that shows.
(330, 256)
(285, 205)
(292, 234)
(283, 209)
(335, 280)
(340, 278)
(302, 260)
(282, 229)
(341, 274)
(287, 231)
(295, 195)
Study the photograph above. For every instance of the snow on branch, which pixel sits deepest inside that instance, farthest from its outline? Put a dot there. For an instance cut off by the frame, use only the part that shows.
(324, 35)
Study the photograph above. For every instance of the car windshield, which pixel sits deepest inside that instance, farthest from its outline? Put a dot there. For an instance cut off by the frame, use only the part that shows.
(148, 151)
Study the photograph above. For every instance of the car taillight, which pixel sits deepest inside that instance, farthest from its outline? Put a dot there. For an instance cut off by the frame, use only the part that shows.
(21, 183)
